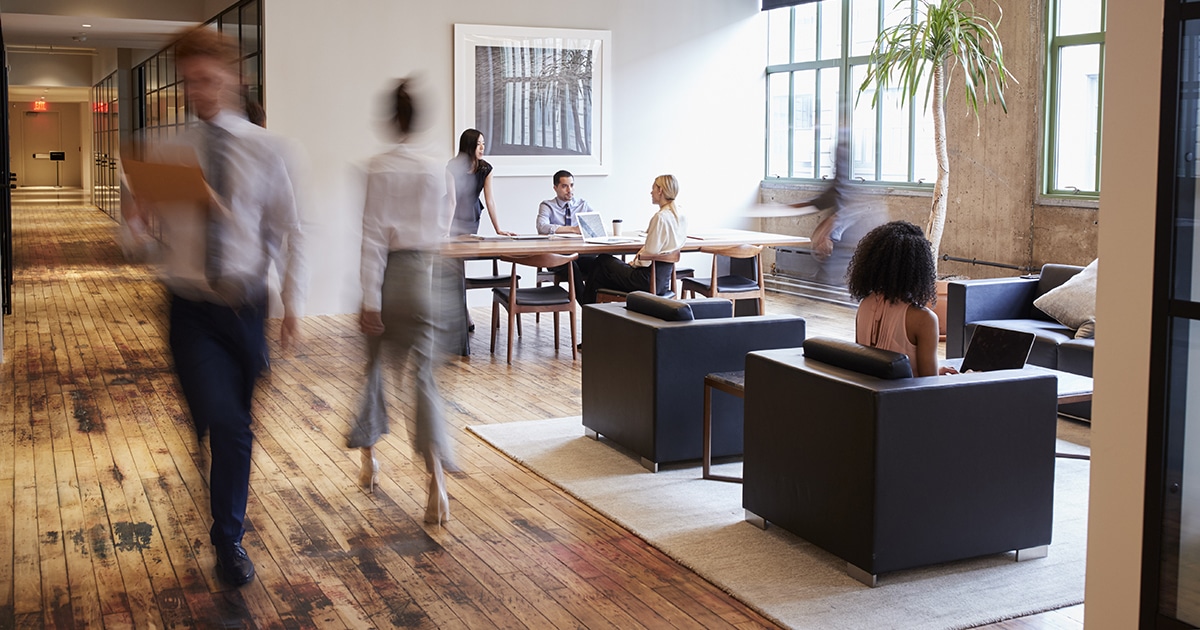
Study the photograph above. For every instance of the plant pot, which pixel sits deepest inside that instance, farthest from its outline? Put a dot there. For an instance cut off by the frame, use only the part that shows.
(939, 307)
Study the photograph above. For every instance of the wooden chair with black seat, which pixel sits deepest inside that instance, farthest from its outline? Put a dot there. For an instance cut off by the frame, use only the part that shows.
(730, 286)
(490, 282)
(553, 299)
(613, 295)
(545, 276)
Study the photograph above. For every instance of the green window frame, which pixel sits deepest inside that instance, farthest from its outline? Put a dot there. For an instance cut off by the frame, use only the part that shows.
(1071, 168)
(890, 144)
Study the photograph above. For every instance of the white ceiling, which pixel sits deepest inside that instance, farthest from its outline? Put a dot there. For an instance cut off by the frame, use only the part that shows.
(105, 32)
(33, 34)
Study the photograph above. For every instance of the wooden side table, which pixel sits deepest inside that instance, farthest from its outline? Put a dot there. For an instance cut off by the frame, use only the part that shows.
(730, 383)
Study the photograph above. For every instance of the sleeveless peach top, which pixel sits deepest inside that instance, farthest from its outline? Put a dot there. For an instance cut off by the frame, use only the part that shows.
(881, 324)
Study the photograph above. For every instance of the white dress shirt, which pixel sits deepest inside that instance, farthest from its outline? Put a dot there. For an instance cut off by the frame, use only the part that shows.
(405, 210)
(263, 220)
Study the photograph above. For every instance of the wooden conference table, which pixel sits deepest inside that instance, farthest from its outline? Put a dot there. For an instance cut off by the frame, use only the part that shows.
(474, 247)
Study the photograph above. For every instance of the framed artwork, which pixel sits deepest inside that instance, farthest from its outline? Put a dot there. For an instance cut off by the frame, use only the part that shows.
(539, 95)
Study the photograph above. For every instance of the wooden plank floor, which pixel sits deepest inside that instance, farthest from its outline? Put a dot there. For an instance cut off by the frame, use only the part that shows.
(104, 507)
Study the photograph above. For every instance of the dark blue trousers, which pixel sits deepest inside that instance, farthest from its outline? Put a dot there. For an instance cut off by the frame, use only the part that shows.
(219, 353)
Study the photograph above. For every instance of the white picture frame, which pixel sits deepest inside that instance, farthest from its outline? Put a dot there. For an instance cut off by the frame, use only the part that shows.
(541, 97)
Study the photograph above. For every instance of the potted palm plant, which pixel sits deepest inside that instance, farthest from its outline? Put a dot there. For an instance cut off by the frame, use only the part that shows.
(920, 54)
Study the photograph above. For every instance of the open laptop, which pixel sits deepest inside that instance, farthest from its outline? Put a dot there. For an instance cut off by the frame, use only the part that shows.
(593, 230)
(994, 348)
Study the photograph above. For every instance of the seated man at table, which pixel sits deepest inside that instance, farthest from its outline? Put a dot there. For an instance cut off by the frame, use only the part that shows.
(557, 216)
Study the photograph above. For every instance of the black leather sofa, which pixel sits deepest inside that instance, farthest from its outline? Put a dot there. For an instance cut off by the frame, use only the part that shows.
(891, 472)
(1008, 303)
(644, 365)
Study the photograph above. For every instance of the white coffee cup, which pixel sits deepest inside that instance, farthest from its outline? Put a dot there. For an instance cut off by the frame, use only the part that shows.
(616, 231)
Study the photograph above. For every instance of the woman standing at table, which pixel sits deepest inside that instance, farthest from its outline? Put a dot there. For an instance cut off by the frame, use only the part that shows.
(471, 175)
(666, 233)
(468, 176)
(402, 229)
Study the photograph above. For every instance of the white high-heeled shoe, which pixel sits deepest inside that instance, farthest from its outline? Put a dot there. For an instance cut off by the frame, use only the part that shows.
(437, 510)
(369, 473)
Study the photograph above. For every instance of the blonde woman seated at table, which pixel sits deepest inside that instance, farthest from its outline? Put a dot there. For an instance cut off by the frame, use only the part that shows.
(893, 273)
(667, 232)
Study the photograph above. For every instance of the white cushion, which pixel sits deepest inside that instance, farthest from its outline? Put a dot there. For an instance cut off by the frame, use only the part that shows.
(1073, 303)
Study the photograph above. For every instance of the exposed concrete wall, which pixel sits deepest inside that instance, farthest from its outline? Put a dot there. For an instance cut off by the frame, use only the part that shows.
(994, 210)
(1065, 234)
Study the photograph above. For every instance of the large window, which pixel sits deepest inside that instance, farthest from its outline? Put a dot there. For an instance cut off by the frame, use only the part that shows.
(1074, 87)
(818, 53)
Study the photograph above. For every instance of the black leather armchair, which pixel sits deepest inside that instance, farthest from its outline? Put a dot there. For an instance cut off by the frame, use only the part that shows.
(644, 366)
(896, 473)
(1008, 303)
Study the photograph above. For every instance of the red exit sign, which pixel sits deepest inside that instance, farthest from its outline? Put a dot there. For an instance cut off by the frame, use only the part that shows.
(41, 106)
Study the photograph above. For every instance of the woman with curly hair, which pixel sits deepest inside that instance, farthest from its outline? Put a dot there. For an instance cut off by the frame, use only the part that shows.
(892, 273)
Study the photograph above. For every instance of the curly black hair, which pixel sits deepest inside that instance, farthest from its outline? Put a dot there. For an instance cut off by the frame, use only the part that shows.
(894, 260)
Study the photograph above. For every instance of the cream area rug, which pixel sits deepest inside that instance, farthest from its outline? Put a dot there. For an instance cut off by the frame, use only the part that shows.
(701, 525)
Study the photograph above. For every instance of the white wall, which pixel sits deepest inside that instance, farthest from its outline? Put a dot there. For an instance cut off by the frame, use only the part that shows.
(688, 100)
(46, 70)
(1132, 69)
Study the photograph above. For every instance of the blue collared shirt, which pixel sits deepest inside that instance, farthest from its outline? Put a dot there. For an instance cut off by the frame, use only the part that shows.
(554, 212)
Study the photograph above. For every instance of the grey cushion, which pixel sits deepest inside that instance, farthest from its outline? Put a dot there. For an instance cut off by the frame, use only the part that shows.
(1073, 303)
(711, 308)
(859, 358)
(666, 309)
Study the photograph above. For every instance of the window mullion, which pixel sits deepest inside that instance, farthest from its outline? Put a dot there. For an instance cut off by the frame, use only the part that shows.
(878, 109)
(791, 35)
(816, 131)
(912, 138)
(1051, 149)
(1100, 115)
(791, 105)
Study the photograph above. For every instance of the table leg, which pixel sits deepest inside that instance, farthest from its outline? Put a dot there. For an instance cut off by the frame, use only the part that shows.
(706, 454)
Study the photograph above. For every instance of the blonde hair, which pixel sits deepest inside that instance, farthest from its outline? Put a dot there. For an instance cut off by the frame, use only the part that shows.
(670, 189)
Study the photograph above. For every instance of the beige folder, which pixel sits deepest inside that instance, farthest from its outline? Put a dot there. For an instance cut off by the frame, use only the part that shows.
(155, 183)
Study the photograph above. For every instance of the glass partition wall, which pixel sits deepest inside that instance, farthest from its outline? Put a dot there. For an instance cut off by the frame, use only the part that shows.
(106, 186)
(159, 105)
(159, 102)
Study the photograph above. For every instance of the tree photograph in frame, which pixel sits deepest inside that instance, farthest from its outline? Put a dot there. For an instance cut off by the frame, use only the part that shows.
(539, 96)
